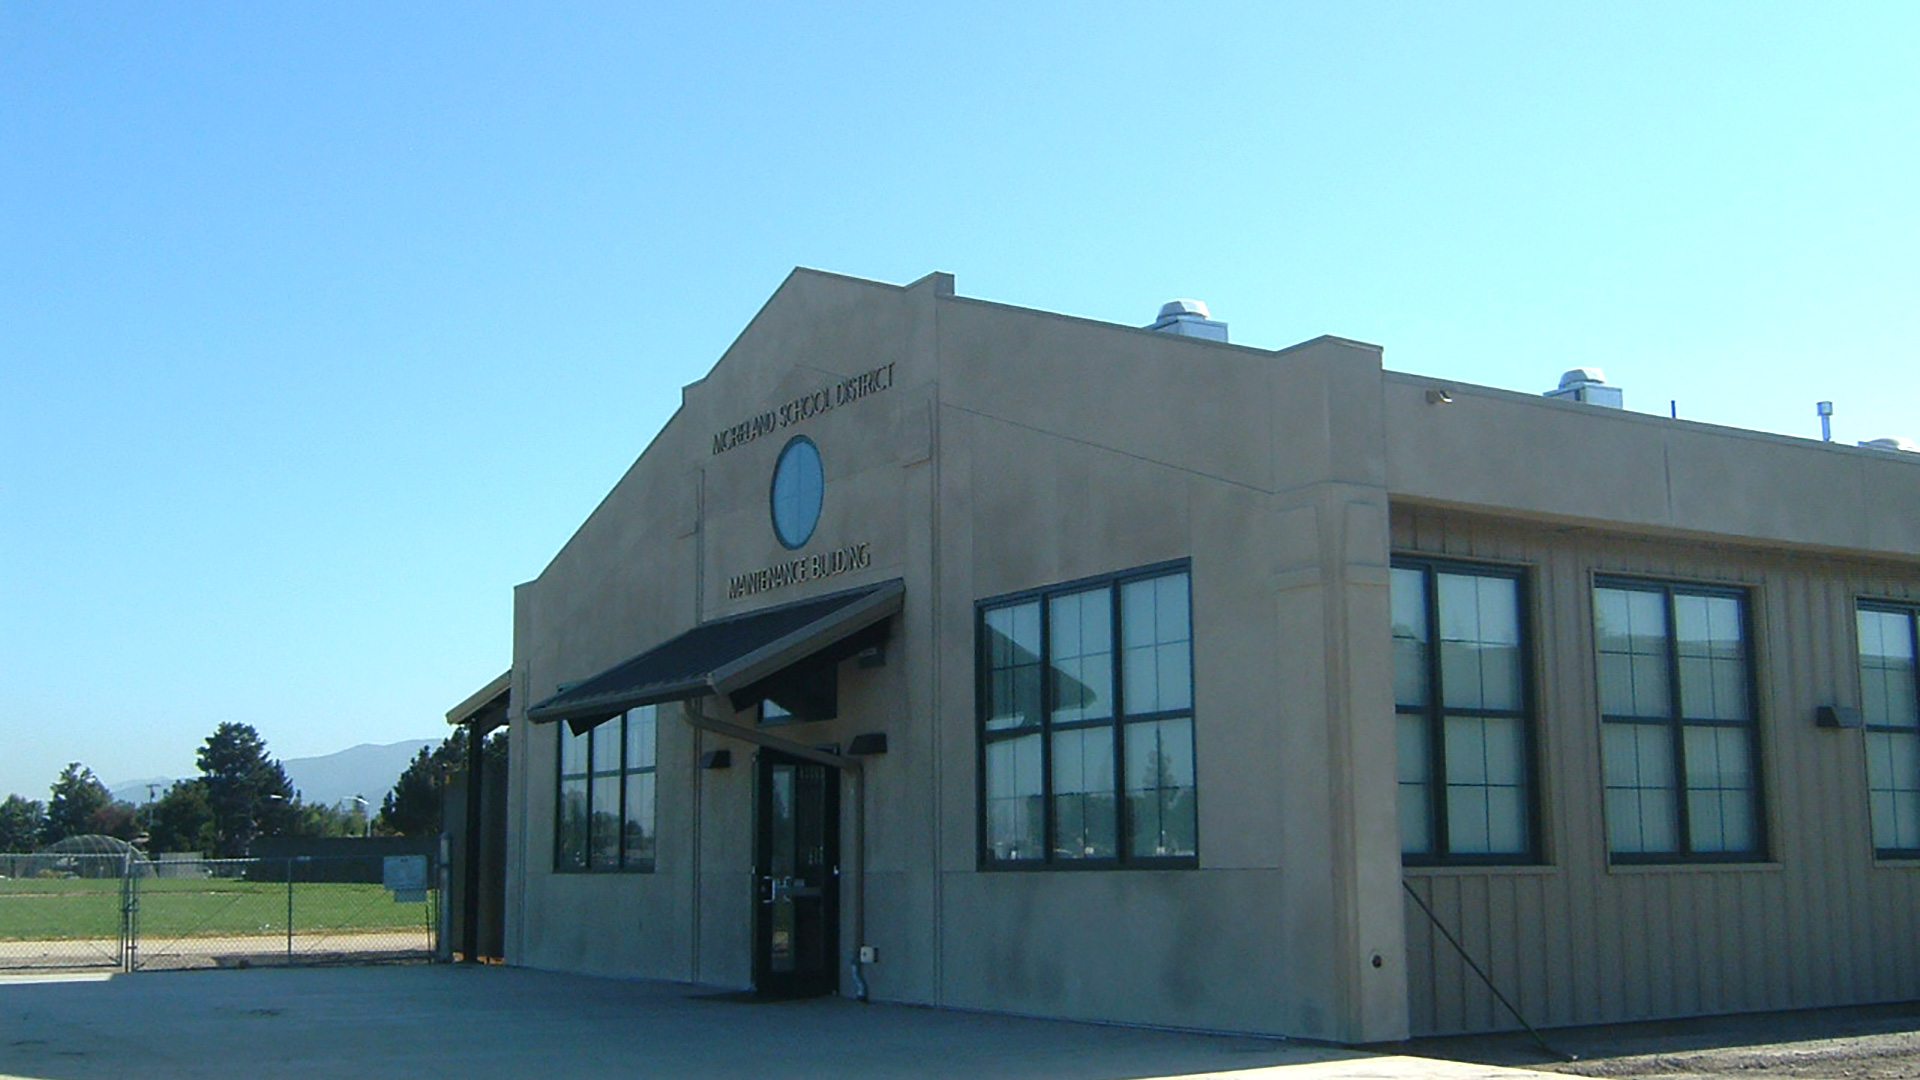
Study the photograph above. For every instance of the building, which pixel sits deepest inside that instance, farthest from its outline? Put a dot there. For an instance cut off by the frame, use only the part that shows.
(949, 652)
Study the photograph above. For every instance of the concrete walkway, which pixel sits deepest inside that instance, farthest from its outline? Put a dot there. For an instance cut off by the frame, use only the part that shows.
(413, 1021)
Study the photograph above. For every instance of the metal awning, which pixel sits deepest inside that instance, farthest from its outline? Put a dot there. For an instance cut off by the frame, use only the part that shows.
(723, 656)
(486, 708)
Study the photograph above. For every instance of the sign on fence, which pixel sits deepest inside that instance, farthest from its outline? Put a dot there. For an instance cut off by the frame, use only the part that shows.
(405, 876)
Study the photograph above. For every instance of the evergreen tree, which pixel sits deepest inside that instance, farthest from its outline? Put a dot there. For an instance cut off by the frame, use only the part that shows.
(413, 807)
(78, 797)
(21, 821)
(182, 819)
(246, 789)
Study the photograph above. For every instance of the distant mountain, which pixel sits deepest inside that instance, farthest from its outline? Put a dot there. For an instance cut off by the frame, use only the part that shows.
(139, 792)
(365, 770)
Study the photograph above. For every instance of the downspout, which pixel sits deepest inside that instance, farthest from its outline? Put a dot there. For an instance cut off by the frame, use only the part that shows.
(695, 716)
(855, 967)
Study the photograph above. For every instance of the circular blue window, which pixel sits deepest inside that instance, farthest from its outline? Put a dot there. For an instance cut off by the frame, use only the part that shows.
(798, 487)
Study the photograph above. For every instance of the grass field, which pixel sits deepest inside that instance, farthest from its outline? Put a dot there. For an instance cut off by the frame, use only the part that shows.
(37, 909)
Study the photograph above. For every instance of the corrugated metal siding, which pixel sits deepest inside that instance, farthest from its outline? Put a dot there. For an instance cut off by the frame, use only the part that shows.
(1575, 941)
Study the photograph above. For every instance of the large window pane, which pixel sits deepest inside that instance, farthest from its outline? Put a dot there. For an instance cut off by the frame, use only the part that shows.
(1479, 641)
(1630, 628)
(637, 835)
(1719, 758)
(604, 822)
(1416, 764)
(603, 795)
(571, 835)
(1085, 821)
(1409, 637)
(1896, 820)
(1013, 665)
(570, 825)
(1486, 785)
(573, 751)
(1721, 821)
(1486, 750)
(1720, 789)
(1886, 670)
(641, 726)
(1081, 655)
(1161, 815)
(1158, 658)
(605, 754)
(1638, 762)
(1712, 660)
(1015, 827)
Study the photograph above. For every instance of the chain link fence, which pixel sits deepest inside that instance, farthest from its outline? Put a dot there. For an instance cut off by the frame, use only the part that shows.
(125, 912)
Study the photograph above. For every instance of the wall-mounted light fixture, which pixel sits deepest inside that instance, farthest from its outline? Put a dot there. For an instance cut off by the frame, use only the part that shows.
(1439, 397)
(1837, 716)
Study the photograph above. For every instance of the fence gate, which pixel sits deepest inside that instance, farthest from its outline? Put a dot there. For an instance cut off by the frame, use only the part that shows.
(127, 913)
(63, 911)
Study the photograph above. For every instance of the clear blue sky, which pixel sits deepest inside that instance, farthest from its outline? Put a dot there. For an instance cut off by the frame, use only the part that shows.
(323, 325)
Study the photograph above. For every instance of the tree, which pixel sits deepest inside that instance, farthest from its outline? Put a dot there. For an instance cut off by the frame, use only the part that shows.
(412, 808)
(78, 796)
(21, 820)
(414, 805)
(182, 819)
(319, 819)
(116, 819)
(246, 789)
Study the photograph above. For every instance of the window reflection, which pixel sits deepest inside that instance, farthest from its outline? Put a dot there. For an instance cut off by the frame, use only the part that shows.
(1678, 732)
(604, 819)
(1464, 738)
(1889, 688)
(1106, 773)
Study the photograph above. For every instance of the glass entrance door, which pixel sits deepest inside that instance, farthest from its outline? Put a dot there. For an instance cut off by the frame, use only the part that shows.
(796, 877)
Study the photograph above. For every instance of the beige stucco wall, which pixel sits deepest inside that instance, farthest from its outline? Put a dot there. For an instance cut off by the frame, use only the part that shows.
(1496, 451)
(656, 558)
(1071, 449)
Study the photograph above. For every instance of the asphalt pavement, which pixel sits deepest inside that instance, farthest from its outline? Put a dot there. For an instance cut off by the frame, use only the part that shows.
(479, 1023)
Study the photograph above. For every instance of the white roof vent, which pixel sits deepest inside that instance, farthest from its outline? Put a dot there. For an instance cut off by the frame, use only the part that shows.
(1588, 385)
(1189, 318)
(1893, 442)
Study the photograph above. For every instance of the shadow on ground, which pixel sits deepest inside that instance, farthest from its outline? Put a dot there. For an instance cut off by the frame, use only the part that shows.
(1872, 1040)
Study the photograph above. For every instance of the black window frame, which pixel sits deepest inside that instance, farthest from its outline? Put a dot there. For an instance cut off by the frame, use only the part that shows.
(1117, 723)
(627, 771)
(1435, 711)
(1911, 611)
(1677, 723)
